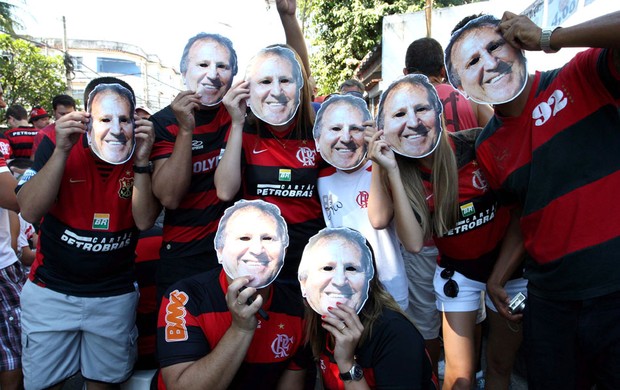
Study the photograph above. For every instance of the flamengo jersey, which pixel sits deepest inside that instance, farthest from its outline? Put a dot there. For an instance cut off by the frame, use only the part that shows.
(457, 110)
(189, 230)
(393, 357)
(194, 317)
(285, 176)
(21, 139)
(88, 237)
(5, 147)
(472, 246)
(344, 198)
(561, 158)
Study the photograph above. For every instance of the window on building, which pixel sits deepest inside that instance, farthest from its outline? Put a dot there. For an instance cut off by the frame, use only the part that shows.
(77, 63)
(118, 66)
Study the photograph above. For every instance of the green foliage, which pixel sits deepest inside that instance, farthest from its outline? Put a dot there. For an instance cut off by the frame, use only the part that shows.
(28, 76)
(343, 31)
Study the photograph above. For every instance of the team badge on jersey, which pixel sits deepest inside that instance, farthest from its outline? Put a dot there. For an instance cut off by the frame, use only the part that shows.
(281, 345)
(126, 187)
(101, 221)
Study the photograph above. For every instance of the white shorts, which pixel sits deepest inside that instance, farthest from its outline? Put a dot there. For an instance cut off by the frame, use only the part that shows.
(422, 310)
(63, 334)
(512, 287)
(471, 293)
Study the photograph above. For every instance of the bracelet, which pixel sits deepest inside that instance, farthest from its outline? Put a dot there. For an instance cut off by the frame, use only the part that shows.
(545, 39)
(146, 169)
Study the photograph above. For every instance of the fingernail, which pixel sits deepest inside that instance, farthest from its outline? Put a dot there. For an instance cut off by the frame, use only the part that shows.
(323, 316)
(330, 308)
(338, 303)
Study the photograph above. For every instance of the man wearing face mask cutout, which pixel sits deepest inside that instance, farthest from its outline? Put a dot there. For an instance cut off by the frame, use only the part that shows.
(90, 212)
(554, 150)
(190, 135)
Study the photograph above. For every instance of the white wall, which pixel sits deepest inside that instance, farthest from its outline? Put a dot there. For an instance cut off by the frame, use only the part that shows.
(400, 30)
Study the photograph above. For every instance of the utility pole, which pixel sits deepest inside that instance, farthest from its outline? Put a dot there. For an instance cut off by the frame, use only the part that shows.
(67, 60)
(428, 10)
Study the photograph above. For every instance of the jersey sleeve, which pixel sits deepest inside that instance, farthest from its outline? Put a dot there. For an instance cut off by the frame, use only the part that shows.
(180, 338)
(164, 139)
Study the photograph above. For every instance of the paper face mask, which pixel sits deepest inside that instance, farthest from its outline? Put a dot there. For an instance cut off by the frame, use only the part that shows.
(336, 266)
(276, 81)
(410, 116)
(482, 65)
(339, 131)
(251, 239)
(111, 133)
(208, 66)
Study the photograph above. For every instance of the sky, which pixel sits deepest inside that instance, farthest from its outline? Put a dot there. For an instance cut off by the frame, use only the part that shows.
(158, 27)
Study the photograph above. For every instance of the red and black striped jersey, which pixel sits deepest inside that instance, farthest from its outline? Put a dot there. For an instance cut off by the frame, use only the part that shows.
(561, 160)
(194, 316)
(472, 246)
(189, 230)
(87, 239)
(21, 139)
(284, 171)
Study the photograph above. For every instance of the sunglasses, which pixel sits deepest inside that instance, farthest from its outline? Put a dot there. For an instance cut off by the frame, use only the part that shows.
(451, 288)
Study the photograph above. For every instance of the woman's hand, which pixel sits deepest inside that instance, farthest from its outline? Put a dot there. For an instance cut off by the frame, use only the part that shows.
(346, 327)
(235, 101)
(379, 150)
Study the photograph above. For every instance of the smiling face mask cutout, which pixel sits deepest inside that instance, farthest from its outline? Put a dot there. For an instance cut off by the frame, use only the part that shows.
(111, 133)
(276, 81)
(339, 131)
(482, 65)
(336, 267)
(208, 66)
(410, 116)
(251, 239)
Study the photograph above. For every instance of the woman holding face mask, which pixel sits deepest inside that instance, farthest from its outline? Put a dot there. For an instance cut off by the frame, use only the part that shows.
(444, 195)
(270, 153)
(357, 332)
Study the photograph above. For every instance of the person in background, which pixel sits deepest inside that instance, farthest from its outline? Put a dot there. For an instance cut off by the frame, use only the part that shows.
(352, 86)
(61, 105)
(39, 118)
(20, 133)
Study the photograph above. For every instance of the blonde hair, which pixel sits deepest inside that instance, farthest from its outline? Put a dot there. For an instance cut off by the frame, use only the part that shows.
(444, 182)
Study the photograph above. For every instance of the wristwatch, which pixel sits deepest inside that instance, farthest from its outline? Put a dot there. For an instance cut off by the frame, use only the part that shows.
(545, 39)
(354, 374)
(146, 169)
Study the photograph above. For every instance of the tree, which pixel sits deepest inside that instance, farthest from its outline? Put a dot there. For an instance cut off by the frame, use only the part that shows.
(28, 76)
(7, 22)
(343, 31)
